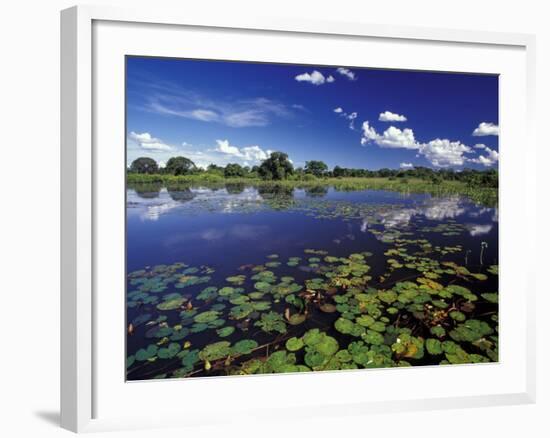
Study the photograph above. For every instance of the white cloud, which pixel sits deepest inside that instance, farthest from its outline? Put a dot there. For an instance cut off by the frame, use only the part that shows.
(177, 102)
(315, 78)
(347, 73)
(486, 128)
(369, 133)
(487, 160)
(439, 152)
(444, 153)
(406, 166)
(479, 146)
(148, 142)
(225, 148)
(396, 138)
(388, 116)
(254, 154)
(330, 78)
(351, 117)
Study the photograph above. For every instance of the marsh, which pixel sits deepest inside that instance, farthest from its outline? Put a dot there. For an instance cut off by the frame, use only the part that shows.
(244, 279)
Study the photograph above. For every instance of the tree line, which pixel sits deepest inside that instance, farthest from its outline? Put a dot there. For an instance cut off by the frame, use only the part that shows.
(278, 167)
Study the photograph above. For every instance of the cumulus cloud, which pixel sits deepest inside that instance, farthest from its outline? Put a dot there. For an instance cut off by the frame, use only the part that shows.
(388, 116)
(487, 160)
(406, 166)
(479, 146)
(146, 141)
(396, 138)
(439, 152)
(248, 154)
(338, 110)
(315, 78)
(347, 73)
(486, 128)
(369, 133)
(444, 153)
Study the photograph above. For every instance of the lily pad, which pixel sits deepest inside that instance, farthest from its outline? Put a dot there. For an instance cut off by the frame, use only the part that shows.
(169, 352)
(271, 322)
(225, 331)
(206, 317)
(294, 344)
(215, 351)
(146, 353)
(244, 346)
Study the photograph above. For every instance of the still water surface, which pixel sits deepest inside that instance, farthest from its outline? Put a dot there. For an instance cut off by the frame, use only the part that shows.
(229, 231)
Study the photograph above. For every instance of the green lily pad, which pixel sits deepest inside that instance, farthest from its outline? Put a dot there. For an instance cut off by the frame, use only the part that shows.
(169, 352)
(344, 326)
(434, 346)
(457, 316)
(206, 317)
(225, 331)
(491, 297)
(296, 319)
(173, 303)
(226, 291)
(130, 361)
(237, 279)
(438, 331)
(146, 353)
(271, 322)
(215, 351)
(294, 344)
(208, 293)
(244, 346)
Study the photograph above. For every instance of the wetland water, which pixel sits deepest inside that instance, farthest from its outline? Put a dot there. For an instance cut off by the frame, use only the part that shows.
(243, 280)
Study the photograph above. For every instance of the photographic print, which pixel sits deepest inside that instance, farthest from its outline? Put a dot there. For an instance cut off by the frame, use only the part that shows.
(295, 218)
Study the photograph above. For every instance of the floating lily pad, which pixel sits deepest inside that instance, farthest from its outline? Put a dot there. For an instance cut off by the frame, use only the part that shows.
(146, 353)
(271, 322)
(208, 293)
(328, 308)
(344, 326)
(244, 346)
(171, 304)
(130, 361)
(169, 352)
(491, 297)
(206, 317)
(294, 344)
(237, 279)
(215, 351)
(296, 319)
(434, 346)
(225, 331)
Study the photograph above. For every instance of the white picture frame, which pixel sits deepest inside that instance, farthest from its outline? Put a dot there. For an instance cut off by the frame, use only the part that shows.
(83, 370)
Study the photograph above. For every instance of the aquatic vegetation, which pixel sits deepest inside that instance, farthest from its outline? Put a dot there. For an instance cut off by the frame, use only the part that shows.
(415, 291)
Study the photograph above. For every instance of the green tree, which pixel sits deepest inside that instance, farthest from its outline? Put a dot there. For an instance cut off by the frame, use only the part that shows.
(144, 165)
(180, 166)
(317, 168)
(276, 167)
(233, 170)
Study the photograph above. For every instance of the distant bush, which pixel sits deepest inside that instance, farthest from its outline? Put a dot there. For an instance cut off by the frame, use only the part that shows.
(309, 177)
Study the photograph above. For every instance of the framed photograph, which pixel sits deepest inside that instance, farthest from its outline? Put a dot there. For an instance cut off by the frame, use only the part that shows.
(262, 208)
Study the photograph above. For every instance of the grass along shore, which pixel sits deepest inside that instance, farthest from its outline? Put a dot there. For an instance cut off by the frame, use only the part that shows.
(482, 195)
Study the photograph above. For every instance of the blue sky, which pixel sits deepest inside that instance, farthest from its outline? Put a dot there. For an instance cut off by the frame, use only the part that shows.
(237, 112)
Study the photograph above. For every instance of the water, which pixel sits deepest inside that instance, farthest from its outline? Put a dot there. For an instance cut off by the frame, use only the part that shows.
(233, 229)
